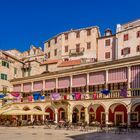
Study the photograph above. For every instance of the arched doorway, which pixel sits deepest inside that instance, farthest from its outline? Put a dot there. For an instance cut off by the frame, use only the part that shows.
(135, 114)
(26, 117)
(118, 113)
(78, 114)
(92, 116)
(38, 117)
(50, 116)
(61, 114)
(100, 113)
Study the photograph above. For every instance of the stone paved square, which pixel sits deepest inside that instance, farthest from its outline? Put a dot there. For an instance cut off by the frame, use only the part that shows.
(39, 133)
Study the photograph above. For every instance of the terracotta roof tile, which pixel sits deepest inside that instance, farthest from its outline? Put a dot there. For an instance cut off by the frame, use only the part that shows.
(70, 63)
(50, 61)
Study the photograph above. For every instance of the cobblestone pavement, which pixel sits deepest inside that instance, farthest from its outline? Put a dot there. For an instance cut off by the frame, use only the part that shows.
(39, 133)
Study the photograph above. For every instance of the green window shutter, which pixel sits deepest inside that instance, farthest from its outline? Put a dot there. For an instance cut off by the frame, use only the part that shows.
(3, 76)
(7, 65)
(15, 70)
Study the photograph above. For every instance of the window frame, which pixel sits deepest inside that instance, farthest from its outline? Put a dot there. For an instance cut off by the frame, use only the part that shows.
(66, 48)
(88, 45)
(125, 37)
(107, 55)
(107, 42)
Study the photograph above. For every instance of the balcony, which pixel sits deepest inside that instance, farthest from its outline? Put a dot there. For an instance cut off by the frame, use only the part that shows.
(133, 93)
(78, 51)
(26, 66)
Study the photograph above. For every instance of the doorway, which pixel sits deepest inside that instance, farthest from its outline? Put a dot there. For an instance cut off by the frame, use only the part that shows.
(119, 118)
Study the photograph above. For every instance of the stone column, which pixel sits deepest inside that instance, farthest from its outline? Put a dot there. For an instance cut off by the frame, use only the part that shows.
(70, 84)
(31, 118)
(86, 115)
(87, 82)
(128, 119)
(129, 79)
(56, 115)
(106, 79)
(32, 86)
(43, 85)
(21, 87)
(106, 117)
(56, 85)
(69, 114)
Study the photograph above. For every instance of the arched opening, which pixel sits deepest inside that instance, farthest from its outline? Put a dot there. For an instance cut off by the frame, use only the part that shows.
(91, 114)
(26, 117)
(38, 117)
(135, 114)
(78, 114)
(61, 114)
(50, 116)
(100, 114)
(118, 114)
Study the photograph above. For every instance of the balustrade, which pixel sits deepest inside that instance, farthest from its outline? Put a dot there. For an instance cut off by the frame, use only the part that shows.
(114, 94)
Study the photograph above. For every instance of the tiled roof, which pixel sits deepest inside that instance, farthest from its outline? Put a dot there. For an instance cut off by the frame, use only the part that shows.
(70, 63)
(50, 61)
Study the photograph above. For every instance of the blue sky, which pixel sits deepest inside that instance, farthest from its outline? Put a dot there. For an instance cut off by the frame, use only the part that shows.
(26, 22)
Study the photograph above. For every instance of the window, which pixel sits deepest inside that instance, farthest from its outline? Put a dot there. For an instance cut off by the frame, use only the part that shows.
(66, 59)
(3, 76)
(107, 55)
(125, 51)
(138, 34)
(66, 36)
(125, 37)
(66, 48)
(55, 40)
(4, 89)
(138, 48)
(49, 55)
(107, 42)
(55, 52)
(77, 34)
(77, 47)
(15, 71)
(47, 69)
(134, 116)
(88, 32)
(88, 45)
(49, 44)
(5, 64)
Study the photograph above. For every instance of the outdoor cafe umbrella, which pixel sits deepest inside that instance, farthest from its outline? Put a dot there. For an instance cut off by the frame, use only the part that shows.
(36, 112)
(12, 112)
(22, 112)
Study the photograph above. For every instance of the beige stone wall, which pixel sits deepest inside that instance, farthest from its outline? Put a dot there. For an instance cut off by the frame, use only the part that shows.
(82, 40)
(9, 71)
(102, 48)
(71, 43)
(132, 42)
(54, 46)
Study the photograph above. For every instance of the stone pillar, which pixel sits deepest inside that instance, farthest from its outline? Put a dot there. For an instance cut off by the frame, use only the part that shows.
(21, 87)
(43, 85)
(71, 84)
(128, 119)
(69, 114)
(87, 82)
(56, 115)
(86, 115)
(106, 79)
(32, 86)
(106, 117)
(129, 80)
(43, 117)
(56, 85)
(31, 118)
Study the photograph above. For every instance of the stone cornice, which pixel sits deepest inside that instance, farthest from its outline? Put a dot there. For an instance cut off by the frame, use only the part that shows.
(87, 68)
